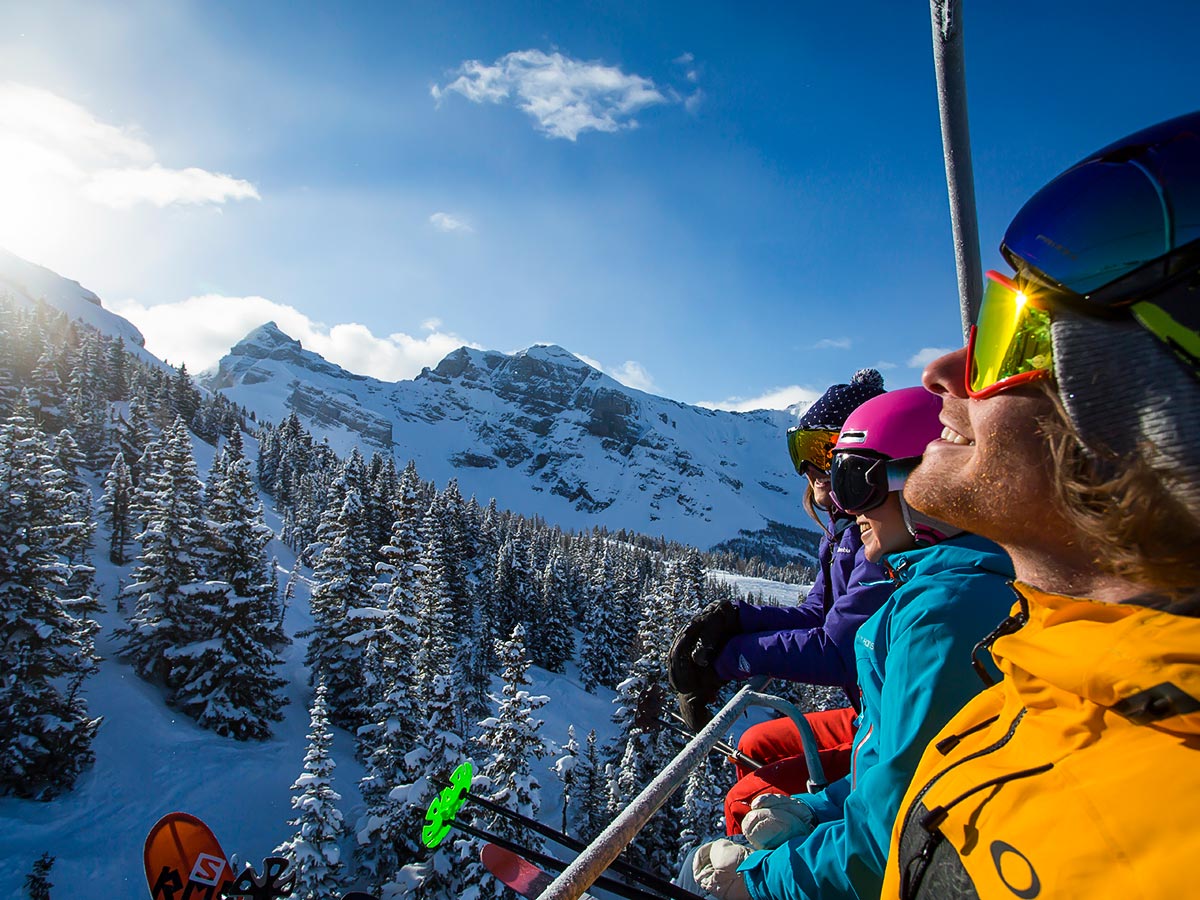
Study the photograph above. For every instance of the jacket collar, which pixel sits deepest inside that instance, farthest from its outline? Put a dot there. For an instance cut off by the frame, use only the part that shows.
(1142, 663)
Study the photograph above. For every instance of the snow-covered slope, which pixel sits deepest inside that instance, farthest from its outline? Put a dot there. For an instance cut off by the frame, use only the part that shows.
(27, 282)
(542, 432)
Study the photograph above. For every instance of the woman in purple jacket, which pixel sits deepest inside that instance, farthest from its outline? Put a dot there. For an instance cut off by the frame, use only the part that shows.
(811, 643)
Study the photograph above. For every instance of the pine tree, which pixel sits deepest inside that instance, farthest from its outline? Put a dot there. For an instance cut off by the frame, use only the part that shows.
(171, 570)
(555, 627)
(46, 646)
(343, 575)
(513, 741)
(313, 850)
(702, 813)
(79, 528)
(645, 754)
(394, 717)
(226, 673)
(565, 768)
(604, 659)
(37, 882)
(440, 744)
(589, 799)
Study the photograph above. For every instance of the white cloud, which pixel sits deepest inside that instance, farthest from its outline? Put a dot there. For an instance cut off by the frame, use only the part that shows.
(630, 373)
(832, 344)
(123, 188)
(633, 374)
(926, 355)
(431, 324)
(883, 365)
(49, 145)
(448, 223)
(200, 330)
(565, 96)
(777, 398)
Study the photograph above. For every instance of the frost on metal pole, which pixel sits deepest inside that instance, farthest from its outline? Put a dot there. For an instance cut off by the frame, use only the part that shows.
(956, 146)
(600, 853)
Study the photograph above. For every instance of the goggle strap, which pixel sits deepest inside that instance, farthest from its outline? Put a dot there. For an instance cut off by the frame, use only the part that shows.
(1184, 341)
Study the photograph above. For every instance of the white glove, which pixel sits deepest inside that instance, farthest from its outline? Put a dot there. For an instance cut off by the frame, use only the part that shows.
(715, 869)
(775, 819)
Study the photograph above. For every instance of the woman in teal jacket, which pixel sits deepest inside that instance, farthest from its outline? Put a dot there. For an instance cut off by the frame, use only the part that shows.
(913, 659)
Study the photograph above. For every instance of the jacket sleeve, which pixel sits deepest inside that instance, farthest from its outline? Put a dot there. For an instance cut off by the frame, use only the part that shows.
(928, 679)
(819, 653)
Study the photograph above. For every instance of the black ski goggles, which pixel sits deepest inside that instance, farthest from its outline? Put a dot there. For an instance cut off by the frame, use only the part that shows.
(811, 447)
(860, 482)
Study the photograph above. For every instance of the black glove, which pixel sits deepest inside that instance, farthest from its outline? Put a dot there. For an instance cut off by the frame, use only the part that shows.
(693, 655)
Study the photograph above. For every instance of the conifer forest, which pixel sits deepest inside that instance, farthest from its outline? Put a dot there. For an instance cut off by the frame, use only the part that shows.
(428, 610)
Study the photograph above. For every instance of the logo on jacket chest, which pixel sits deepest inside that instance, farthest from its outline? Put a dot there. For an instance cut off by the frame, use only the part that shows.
(1015, 870)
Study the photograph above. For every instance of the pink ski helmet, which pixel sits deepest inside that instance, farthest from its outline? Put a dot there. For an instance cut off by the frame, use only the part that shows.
(895, 425)
(880, 444)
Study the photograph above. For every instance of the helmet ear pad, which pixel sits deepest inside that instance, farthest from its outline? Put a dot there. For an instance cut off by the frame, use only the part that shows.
(924, 529)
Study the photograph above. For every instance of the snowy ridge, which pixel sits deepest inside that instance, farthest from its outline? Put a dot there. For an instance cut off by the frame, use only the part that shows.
(542, 432)
(28, 283)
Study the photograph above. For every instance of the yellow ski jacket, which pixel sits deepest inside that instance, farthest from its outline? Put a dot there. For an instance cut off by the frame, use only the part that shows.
(1077, 776)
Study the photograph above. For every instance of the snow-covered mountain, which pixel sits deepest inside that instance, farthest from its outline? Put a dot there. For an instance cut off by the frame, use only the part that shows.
(542, 432)
(28, 282)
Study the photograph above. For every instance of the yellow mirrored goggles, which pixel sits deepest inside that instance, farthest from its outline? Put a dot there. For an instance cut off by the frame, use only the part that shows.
(811, 446)
(1010, 341)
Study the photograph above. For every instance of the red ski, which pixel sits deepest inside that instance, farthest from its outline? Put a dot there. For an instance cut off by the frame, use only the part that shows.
(515, 871)
(184, 858)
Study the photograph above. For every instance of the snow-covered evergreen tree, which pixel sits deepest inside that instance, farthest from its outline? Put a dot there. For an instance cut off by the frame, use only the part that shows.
(554, 628)
(701, 816)
(643, 754)
(343, 575)
(46, 644)
(313, 850)
(118, 495)
(603, 658)
(589, 799)
(565, 768)
(170, 571)
(513, 741)
(227, 678)
(395, 717)
(79, 528)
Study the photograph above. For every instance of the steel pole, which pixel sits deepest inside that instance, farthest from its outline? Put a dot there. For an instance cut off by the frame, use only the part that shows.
(948, 63)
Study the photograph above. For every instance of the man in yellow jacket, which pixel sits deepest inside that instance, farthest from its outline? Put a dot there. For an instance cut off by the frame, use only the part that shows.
(1072, 438)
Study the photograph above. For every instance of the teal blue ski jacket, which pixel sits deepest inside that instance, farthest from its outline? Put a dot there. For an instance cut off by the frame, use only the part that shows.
(913, 658)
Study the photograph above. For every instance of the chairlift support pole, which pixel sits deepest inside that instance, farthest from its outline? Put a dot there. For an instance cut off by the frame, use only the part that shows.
(599, 854)
(948, 63)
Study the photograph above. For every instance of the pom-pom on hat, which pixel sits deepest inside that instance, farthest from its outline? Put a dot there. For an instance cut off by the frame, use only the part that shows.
(830, 412)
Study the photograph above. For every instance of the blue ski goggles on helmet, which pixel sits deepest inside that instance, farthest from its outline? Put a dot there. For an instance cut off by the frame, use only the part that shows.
(860, 482)
(1115, 235)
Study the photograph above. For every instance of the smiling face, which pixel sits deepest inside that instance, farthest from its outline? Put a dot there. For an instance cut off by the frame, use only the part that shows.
(990, 472)
(883, 529)
(820, 486)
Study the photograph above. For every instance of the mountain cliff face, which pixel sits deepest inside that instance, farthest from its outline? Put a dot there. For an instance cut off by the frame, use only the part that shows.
(542, 432)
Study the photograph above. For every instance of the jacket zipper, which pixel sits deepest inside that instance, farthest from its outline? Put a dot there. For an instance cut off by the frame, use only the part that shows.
(910, 880)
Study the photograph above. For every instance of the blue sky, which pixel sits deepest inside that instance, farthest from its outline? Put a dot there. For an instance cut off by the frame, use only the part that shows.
(720, 203)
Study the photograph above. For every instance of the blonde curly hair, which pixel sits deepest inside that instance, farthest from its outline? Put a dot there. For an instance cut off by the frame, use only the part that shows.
(1147, 534)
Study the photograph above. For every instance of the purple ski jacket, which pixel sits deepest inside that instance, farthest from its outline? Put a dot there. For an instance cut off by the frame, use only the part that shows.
(813, 642)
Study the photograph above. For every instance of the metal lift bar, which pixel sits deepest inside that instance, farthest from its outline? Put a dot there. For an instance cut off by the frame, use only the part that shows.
(948, 63)
(599, 854)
